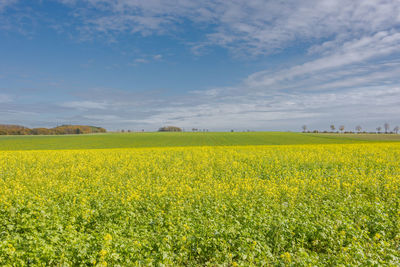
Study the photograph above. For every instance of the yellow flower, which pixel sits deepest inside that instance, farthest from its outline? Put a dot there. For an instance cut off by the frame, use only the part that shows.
(287, 257)
(108, 237)
(103, 252)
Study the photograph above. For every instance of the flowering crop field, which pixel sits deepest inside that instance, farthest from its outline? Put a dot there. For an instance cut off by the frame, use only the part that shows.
(239, 205)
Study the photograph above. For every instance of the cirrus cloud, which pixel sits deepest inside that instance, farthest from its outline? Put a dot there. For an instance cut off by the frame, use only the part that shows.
(244, 26)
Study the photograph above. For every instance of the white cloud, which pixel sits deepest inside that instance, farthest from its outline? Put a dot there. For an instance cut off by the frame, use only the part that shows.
(289, 110)
(261, 110)
(359, 54)
(244, 26)
(84, 105)
(5, 98)
(141, 60)
(102, 118)
(157, 57)
(147, 59)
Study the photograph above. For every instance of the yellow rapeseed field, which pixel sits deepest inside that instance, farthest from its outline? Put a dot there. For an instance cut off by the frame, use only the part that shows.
(249, 205)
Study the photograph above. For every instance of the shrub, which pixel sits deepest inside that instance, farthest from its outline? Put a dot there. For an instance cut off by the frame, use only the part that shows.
(170, 129)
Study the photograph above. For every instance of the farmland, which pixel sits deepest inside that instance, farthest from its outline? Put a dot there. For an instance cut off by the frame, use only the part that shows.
(131, 140)
(224, 200)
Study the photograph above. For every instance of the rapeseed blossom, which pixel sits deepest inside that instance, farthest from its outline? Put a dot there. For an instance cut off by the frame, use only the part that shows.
(234, 206)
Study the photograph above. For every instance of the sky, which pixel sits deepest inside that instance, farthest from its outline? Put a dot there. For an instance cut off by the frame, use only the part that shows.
(211, 64)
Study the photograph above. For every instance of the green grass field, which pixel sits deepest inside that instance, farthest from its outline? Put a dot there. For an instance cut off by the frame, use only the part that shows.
(130, 140)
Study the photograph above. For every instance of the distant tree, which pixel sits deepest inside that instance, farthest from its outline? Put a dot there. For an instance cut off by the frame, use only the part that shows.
(63, 129)
(170, 129)
(304, 127)
(7, 129)
(332, 127)
(232, 131)
(387, 127)
(341, 128)
(378, 129)
(358, 128)
(129, 131)
(396, 129)
(122, 131)
(41, 131)
(73, 129)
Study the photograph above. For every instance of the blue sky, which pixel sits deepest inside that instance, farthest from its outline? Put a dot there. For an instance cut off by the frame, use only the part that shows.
(220, 65)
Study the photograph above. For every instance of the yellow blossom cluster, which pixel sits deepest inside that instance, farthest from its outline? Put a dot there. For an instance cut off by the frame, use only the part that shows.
(239, 205)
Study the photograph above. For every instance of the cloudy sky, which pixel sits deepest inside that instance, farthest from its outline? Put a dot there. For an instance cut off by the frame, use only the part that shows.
(215, 64)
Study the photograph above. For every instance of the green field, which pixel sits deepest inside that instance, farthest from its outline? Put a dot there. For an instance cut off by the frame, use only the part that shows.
(131, 140)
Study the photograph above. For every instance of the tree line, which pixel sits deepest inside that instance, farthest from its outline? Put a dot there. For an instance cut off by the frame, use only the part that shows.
(358, 129)
(7, 129)
(170, 129)
(178, 129)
